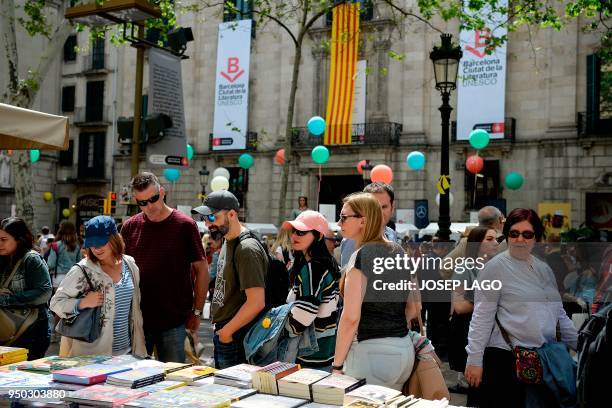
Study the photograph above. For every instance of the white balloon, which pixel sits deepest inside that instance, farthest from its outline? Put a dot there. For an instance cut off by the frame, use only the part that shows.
(219, 183)
(221, 171)
(451, 199)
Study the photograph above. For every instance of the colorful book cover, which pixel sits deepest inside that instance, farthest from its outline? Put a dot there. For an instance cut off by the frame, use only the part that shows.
(371, 393)
(191, 374)
(172, 367)
(180, 397)
(136, 375)
(89, 374)
(240, 372)
(106, 395)
(10, 352)
(163, 386)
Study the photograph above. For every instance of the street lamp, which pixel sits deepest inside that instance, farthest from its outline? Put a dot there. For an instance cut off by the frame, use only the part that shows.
(367, 169)
(204, 174)
(445, 60)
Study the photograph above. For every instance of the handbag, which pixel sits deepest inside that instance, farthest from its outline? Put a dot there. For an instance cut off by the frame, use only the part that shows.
(87, 325)
(527, 360)
(14, 321)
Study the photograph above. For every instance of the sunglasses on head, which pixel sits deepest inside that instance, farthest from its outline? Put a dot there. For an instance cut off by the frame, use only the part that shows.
(300, 233)
(526, 234)
(152, 200)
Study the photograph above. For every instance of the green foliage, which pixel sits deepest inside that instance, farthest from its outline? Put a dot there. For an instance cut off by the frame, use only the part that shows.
(35, 22)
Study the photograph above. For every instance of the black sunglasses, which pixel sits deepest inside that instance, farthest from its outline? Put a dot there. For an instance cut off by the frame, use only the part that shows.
(343, 218)
(300, 233)
(152, 200)
(526, 234)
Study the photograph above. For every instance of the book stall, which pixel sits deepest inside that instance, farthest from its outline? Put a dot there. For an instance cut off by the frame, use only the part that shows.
(126, 381)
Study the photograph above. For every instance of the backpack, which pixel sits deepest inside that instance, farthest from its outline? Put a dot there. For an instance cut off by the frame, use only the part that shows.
(594, 356)
(277, 277)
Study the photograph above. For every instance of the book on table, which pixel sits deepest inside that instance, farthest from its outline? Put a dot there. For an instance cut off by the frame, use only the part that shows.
(230, 393)
(179, 397)
(236, 376)
(7, 353)
(269, 401)
(299, 384)
(136, 378)
(171, 367)
(191, 374)
(319, 405)
(372, 393)
(331, 389)
(89, 374)
(55, 363)
(265, 378)
(104, 395)
(163, 386)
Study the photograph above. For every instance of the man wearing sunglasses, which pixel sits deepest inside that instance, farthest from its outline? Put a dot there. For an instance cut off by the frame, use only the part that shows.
(239, 294)
(166, 246)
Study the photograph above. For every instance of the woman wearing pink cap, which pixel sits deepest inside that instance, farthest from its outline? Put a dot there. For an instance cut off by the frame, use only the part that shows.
(373, 341)
(314, 278)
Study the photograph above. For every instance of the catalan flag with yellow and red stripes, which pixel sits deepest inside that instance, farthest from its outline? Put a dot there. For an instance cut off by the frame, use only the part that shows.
(344, 47)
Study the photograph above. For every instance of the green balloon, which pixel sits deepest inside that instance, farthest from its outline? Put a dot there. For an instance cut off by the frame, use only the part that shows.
(514, 180)
(320, 154)
(246, 161)
(479, 139)
(34, 155)
(190, 151)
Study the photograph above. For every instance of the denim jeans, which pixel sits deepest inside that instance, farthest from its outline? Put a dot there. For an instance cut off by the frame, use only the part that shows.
(229, 354)
(169, 344)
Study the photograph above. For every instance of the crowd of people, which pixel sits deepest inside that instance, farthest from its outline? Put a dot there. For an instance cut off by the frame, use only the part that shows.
(151, 278)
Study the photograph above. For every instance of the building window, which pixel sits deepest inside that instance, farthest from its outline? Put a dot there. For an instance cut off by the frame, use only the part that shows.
(485, 190)
(66, 156)
(68, 98)
(91, 155)
(599, 95)
(97, 54)
(70, 53)
(94, 104)
(366, 12)
(237, 10)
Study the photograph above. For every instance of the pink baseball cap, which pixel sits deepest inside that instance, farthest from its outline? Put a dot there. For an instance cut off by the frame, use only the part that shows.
(308, 221)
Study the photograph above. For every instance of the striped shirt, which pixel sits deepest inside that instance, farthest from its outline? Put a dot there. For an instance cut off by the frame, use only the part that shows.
(124, 291)
(315, 294)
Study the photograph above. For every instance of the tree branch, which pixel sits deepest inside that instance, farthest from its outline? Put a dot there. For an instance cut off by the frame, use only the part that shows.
(280, 23)
(411, 14)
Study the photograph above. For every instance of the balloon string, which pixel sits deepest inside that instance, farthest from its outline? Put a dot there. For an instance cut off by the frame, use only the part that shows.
(319, 188)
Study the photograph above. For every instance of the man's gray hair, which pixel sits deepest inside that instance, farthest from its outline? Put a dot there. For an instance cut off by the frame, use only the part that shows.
(488, 216)
(141, 181)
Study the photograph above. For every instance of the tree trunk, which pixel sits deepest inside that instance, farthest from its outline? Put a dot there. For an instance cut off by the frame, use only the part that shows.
(22, 177)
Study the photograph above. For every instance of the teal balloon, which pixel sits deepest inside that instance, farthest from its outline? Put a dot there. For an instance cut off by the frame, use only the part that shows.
(172, 175)
(320, 154)
(514, 180)
(246, 161)
(415, 160)
(316, 125)
(190, 151)
(34, 155)
(479, 139)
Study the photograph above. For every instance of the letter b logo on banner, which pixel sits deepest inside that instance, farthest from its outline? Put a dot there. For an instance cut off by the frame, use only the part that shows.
(233, 65)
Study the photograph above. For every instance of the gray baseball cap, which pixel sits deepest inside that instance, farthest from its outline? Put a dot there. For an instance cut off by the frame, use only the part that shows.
(217, 201)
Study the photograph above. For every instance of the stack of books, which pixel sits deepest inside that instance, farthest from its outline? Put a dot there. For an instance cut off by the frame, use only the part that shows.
(236, 376)
(180, 397)
(191, 374)
(10, 355)
(269, 401)
(299, 384)
(136, 378)
(332, 389)
(89, 374)
(374, 394)
(55, 363)
(104, 396)
(265, 378)
(163, 386)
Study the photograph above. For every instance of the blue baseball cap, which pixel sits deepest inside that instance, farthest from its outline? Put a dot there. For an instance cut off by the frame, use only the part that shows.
(98, 231)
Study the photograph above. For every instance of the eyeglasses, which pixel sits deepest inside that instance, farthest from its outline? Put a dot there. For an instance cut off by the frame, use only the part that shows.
(526, 234)
(343, 218)
(210, 217)
(300, 233)
(152, 200)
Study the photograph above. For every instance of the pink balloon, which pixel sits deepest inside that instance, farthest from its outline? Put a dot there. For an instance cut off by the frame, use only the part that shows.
(279, 158)
(360, 166)
(474, 164)
(382, 173)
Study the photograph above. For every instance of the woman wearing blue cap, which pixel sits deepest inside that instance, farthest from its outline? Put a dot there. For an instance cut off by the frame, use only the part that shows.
(115, 279)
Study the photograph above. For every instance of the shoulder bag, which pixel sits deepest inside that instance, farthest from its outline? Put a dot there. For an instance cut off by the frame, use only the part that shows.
(14, 321)
(528, 363)
(87, 325)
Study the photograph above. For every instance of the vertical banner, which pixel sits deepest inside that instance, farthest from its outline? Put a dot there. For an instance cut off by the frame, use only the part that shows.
(359, 100)
(421, 214)
(166, 96)
(481, 82)
(232, 90)
(343, 57)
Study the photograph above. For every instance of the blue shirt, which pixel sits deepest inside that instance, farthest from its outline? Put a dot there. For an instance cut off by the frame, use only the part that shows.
(63, 259)
(347, 246)
(124, 291)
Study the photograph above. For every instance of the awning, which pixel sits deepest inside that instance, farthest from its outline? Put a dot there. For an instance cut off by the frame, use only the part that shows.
(22, 129)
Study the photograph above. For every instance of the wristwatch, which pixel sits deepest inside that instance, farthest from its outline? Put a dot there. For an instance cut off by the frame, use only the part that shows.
(197, 312)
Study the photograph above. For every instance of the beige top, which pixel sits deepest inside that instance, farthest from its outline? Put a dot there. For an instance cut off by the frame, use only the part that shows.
(64, 302)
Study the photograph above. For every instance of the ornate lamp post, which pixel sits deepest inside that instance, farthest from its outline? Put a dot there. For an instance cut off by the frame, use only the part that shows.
(445, 60)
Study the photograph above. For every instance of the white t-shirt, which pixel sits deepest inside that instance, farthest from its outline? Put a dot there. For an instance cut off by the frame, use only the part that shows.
(42, 243)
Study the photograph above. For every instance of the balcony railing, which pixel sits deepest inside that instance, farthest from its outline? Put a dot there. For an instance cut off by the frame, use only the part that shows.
(371, 134)
(592, 127)
(509, 131)
(92, 117)
(95, 63)
(251, 143)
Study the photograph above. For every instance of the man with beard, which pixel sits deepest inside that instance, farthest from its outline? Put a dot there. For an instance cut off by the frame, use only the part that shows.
(166, 246)
(239, 294)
